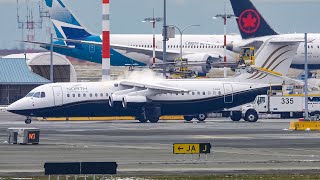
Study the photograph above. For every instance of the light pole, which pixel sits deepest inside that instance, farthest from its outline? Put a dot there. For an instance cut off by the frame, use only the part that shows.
(306, 99)
(153, 20)
(181, 33)
(164, 33)
(225, 16)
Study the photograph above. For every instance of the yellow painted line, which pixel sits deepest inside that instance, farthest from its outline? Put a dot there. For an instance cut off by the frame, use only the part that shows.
(305, 125)
(117, 118)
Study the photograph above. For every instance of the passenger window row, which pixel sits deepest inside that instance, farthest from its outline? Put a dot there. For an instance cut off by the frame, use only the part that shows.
(88, 95)
(311, 46)
(196, 93)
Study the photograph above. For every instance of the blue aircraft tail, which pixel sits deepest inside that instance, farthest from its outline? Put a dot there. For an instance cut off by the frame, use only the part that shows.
(64, 22)
(250, 22)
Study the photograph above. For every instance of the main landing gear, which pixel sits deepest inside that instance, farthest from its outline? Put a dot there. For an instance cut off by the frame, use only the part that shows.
(28, 120)
(149, 114)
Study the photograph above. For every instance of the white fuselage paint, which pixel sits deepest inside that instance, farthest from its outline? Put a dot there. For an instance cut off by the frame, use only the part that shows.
(83, 92)
(210, 44)
(191, 44)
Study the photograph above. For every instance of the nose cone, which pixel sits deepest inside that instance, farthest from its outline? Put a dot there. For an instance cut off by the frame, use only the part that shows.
(18, 107)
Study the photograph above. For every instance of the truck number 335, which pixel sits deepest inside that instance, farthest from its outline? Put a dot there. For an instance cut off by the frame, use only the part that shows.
(287, 101)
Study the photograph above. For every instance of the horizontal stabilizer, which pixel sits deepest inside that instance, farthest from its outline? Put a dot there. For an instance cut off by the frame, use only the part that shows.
(285, 78)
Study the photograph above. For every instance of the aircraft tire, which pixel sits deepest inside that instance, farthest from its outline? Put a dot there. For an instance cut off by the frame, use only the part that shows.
(202, 117)
(28, 121)
(188, 118)
(154, 120)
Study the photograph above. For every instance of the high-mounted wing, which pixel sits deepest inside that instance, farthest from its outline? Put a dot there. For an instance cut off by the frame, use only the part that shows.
(154, 87)
(138, 92)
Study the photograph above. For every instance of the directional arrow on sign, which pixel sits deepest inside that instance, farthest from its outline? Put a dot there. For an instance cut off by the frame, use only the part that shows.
(180, 148)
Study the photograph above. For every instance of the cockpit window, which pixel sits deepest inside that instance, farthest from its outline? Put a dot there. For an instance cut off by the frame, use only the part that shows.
(43, 94)
(36, 95)
(30, 94)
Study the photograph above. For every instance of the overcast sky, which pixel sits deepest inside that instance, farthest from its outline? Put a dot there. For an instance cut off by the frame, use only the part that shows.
(126, 15)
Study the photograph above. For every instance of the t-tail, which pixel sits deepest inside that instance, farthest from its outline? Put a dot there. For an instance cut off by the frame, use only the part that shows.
(64, 22)
(250, 22)
(272, 61)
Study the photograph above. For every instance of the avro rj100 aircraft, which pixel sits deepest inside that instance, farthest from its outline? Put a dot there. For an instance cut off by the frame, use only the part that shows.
(147, 100)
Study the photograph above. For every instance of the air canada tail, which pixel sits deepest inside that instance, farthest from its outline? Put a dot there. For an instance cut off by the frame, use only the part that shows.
(250, 22)
(64, 22)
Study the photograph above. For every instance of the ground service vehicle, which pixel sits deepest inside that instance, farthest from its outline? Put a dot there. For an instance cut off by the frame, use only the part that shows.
(282, 105)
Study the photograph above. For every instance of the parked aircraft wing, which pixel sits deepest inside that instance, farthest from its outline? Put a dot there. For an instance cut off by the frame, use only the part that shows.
(80, 41)
(43, 45)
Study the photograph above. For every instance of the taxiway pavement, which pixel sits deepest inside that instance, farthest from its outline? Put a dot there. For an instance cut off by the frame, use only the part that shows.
(142, 149)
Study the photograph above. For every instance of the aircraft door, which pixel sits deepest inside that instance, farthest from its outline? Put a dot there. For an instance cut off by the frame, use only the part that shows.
(228, 93)
(57, 96)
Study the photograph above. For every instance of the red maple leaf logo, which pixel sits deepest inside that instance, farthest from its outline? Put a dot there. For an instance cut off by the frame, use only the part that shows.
(249, 21)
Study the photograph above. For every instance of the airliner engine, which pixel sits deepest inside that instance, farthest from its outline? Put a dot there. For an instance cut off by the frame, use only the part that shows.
(204, 61)
(128, 101)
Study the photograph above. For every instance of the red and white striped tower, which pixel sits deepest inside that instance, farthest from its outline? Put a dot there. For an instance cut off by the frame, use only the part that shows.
(105, 40)
(225, 45)
(225, 17)
(154, 21)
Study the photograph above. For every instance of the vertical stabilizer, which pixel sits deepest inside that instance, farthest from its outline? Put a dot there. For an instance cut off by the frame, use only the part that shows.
(64, 22)
(250, 22)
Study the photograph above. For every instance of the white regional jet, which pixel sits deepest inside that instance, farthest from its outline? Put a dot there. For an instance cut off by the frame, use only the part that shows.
(148, 100)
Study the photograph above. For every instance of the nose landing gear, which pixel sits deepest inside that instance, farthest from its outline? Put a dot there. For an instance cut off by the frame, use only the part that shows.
(28, 120)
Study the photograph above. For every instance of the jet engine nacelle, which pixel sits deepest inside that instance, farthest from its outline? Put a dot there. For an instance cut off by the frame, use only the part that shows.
(128, 101)
(234, 48)
(201, 58)
(114, 99)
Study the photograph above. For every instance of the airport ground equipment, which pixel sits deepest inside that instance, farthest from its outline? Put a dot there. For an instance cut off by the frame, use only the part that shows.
(23, 135)
(247, 56)
(305, 125)
(80, 168)
(279, 103)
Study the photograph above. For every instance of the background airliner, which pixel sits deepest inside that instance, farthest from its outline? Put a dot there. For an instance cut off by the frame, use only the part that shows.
(133, 49)
(255, 30)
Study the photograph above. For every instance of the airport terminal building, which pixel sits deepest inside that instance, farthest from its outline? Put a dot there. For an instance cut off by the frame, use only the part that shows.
(20, 73)
(16, 80)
